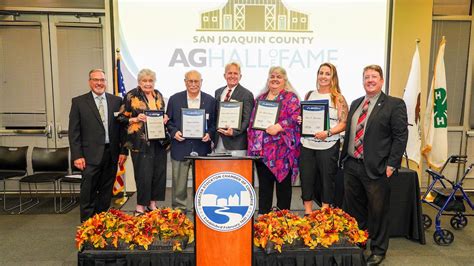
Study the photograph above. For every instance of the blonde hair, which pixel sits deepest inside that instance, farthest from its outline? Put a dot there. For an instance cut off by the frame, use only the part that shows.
(334, 86)
(237, 65)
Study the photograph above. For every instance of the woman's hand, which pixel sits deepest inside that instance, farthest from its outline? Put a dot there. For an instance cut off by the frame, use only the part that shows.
(299, 120)
(321, 135)
(141, 117)
(274, 129)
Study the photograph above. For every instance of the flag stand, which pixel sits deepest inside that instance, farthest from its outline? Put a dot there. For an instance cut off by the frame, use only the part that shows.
(121, 201)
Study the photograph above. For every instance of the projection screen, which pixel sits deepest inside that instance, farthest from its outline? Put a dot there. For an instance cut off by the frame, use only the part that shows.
(172, 37)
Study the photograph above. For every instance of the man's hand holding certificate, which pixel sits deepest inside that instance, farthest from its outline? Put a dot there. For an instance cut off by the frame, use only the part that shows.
(230, 115)
(193, 123)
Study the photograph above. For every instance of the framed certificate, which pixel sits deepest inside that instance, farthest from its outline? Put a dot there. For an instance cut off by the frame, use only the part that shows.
(230, 115)
(314, 117)
(154, 126)
(193, 123)
(266, 114)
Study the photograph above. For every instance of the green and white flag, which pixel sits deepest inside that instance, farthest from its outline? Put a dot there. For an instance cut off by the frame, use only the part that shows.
(436, 115)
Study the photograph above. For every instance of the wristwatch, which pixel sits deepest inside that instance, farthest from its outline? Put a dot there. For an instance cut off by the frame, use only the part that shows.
(329, 133)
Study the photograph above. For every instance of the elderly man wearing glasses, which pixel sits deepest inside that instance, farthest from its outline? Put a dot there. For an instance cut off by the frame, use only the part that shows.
(187, 138)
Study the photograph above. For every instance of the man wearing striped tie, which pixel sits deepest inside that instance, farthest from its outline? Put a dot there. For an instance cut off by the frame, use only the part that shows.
(376, 138)
(230, 140)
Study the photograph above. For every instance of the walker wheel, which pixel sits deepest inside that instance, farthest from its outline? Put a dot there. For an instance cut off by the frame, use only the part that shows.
(443, 237)
(458, 221)
(427, 221)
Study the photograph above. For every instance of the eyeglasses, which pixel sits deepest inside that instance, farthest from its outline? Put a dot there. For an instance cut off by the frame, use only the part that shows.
(98, 80)
(191, 81)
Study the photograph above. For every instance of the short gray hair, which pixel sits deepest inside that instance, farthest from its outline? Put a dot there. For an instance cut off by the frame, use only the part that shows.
(96, 70)
(146, 72)
(190, 72)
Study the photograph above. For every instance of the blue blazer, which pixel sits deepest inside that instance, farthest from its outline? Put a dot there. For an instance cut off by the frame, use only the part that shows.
(180, 149)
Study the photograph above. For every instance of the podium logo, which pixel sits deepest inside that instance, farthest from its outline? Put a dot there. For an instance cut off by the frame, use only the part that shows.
(225, 201)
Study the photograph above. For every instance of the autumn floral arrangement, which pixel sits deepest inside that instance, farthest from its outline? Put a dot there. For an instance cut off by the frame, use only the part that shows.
(116, 230)
(163, 225)
(328, 226)
(276, 229)
(321, 228)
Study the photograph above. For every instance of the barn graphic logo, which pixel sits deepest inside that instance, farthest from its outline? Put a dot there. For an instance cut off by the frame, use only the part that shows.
(225, 201)
(254, 16)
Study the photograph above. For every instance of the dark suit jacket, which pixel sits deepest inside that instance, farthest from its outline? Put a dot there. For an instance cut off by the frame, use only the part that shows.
(179, 149)
(87, 133)
(238, 141)
(385, 137)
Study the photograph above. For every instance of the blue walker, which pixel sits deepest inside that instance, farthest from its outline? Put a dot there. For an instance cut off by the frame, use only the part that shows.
(449, 198)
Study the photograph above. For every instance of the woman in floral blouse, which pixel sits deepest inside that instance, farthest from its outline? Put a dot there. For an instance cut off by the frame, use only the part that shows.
(278, 145)
(148, 156)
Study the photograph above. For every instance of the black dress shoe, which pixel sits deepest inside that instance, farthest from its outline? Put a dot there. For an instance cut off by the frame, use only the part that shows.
(375, 259)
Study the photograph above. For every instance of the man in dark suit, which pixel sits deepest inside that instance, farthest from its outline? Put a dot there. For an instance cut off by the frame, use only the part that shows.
(192, 98)
(376, 137)
(95, 141)
(229, 140)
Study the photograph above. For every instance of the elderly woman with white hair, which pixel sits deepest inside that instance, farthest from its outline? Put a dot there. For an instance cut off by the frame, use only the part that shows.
(278, 145)
(148, 156)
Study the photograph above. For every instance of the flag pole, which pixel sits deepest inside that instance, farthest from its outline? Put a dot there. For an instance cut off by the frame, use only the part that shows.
(407, 159)
(430, 196)
(121, 201)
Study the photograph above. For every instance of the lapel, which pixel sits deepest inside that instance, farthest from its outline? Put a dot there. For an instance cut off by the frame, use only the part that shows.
(236, 93)
(354, 107)
(219, 93)
(202, 100)
(376, 110)
(91, 102)
(184, 100)
(110, 113)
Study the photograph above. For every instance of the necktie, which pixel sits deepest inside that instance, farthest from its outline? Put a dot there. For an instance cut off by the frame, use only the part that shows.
(359, 136)
(101, 109)
(227, 96)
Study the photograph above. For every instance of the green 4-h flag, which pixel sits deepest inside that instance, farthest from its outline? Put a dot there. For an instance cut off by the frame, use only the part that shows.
(436, 115)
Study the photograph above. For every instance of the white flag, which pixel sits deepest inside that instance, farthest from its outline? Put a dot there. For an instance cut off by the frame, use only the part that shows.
(411, 97)
(436, 115)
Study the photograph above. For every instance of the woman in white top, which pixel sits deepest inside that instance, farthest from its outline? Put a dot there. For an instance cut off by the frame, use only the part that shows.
(320, 154)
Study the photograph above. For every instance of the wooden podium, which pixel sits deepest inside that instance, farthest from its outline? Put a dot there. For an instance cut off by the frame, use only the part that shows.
(215, 246)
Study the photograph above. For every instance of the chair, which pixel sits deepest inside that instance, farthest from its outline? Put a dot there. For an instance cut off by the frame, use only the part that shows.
(12, 164)
(49, 165)
(73, 179)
